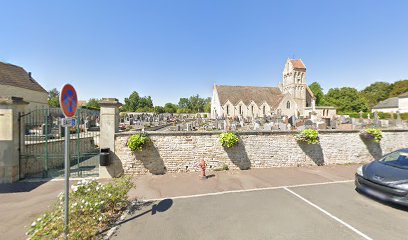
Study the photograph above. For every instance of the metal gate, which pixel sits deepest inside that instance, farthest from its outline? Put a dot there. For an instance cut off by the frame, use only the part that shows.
(42, 144)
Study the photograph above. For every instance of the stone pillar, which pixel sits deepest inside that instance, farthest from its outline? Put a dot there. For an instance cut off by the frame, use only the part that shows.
(109, 123)
(10, 136)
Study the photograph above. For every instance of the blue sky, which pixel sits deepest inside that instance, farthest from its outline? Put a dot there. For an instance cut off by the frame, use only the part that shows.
(172, 49)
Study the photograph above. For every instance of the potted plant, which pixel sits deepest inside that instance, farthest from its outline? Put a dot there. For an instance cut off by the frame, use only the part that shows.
(137, 141)
(373, 134)
(309, 136)
(228, 139)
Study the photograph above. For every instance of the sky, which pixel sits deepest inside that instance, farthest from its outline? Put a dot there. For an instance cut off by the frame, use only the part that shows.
(178, 48)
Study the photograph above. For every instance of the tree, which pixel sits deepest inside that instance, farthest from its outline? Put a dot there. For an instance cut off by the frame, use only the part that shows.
(346, 100)
(184, 103)
(159, 109)
(53, 98)
(376, 92)
(399, 87)
(135, 103)
(317, 92)
(170, 108)
(93, 103)
(207, 106)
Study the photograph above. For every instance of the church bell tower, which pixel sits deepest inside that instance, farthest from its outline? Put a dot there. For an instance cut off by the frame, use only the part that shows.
(294, 81)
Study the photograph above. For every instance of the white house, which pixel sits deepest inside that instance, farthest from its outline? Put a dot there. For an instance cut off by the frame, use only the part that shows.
(392, 105)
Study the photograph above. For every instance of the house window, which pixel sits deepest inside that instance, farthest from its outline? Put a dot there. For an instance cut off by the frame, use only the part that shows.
(288, 105)
(263, 110)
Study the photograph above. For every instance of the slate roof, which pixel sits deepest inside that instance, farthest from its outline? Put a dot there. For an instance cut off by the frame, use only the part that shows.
(387, 103)
(271, 95)
(16, 76)
(404, 95)
(298, 64)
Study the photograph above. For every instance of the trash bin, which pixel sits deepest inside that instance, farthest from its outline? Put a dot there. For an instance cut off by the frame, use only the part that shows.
(104, 157)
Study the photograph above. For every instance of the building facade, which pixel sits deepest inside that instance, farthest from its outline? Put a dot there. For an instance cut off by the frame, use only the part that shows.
(292, 97)
(16, 82)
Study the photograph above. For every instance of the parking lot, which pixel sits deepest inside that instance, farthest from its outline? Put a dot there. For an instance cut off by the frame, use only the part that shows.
(323, 210)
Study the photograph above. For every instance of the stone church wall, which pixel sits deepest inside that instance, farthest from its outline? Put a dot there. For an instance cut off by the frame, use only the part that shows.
(181, 152)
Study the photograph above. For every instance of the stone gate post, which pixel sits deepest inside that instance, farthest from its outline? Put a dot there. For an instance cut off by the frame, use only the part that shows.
(10, 137)
(109, 124)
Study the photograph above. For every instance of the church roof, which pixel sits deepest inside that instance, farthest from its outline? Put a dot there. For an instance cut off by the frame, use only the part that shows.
(297, 64)
(16, 76)
(271, 95)
(387, 103)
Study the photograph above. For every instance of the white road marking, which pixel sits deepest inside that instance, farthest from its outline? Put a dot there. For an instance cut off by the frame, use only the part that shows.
(329, 214)
(245, 190)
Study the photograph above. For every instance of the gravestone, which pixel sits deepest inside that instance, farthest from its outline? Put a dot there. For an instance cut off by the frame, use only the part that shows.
(268, 127)
(309, 124)
(282, 126)
(398, 122)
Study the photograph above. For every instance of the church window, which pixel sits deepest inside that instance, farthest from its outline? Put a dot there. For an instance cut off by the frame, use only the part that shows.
(288, 105)
(263, 110)
(227, 110)
(240, 109)
(252, 110)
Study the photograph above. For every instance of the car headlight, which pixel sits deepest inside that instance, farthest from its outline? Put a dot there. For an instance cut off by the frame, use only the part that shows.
(360, 170)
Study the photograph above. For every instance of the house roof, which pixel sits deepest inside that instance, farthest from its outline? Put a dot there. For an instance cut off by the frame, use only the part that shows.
(404, 95)
(16, 76)
(297, 64)
(387, 103)
(271, 95)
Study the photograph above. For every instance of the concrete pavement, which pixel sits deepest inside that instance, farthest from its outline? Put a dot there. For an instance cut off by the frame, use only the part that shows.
(321, 211)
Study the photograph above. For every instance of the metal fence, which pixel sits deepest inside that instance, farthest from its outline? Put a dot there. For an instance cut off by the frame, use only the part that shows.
(42, 143)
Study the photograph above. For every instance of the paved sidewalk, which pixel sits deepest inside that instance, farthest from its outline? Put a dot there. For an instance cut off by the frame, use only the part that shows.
(184, 184)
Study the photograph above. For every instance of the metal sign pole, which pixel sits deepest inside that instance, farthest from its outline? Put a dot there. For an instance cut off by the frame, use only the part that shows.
(67, 167)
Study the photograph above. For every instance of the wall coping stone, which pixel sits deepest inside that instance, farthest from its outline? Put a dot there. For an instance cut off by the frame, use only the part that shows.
(191, 133)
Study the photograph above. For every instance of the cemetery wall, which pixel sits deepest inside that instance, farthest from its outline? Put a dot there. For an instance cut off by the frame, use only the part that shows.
(182, 151)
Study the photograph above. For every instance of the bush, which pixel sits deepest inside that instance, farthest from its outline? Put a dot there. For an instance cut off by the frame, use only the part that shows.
(228, 139)
(309, 136)
(93, 207)
(372, 134)
(137, 141)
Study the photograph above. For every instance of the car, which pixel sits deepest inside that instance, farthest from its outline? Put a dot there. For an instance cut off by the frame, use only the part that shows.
(385, 179)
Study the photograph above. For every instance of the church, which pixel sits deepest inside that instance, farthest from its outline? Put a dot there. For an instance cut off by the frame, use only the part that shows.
(292, 97)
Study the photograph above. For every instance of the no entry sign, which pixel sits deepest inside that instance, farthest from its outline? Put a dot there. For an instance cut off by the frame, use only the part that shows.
(68, 100)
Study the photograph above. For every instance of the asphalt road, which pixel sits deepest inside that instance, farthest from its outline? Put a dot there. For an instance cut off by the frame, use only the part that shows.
(323, 211)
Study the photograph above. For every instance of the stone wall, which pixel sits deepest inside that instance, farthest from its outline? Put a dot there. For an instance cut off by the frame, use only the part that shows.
(182, 151)
(33, 161)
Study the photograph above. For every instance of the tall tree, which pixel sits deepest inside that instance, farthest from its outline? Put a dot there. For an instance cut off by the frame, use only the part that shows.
(317, 92)
(131, 103)
(376, 92)
(184, 103)
(159, 109)
(346, 99)
(399, 87)
(93, 103)
(170, 108)
(53, 98)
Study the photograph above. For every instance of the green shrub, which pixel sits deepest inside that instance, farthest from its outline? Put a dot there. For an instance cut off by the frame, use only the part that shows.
(228, 139)
(309, 136)
(224, 167)
(137, 141)
(372, 133)
(93, 207)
